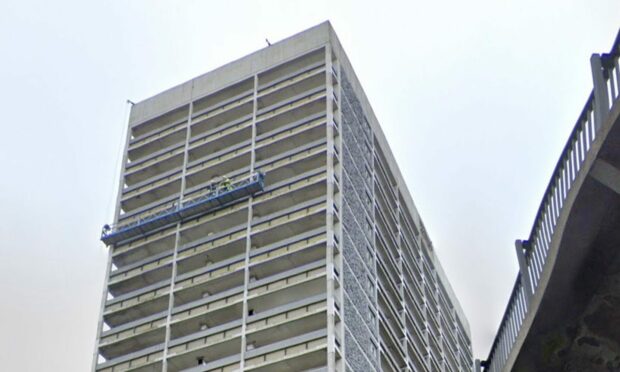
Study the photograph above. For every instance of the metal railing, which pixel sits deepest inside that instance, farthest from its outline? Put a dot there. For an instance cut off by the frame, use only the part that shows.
(606, 93)
(177, 211)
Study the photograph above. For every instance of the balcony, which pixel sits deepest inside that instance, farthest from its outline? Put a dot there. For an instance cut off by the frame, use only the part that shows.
(390, 316)
(289, 222)
(294, 84)
(207, 225)
(292, 110)
(157, 207)
(223, 97)
(387, 183)
(285, 255)
(150, 126)
(283, 288)
(164, 186)
(289, 138)
(417, 360)
(294, 162)
(208, 312)
(414, 309)
(208, 346)
(387, 360)
(220, 163)
(295, 191)
(220, 138)
(218, 115)
(212, 249)
(133, 337)
(152, 142)
(415, 336)
(450, 357)
(138, 304)
(141, 249)
(282, 323)
(141, 274)
(389, 288)
(300, 353)
(209, 280)
(147, 360)
(156, 164)
(290, 69)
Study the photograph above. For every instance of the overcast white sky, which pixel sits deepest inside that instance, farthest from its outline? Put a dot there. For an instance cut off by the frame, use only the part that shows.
(476, 99)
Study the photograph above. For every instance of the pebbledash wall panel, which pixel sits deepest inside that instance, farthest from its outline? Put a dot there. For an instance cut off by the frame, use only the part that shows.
(263, 225)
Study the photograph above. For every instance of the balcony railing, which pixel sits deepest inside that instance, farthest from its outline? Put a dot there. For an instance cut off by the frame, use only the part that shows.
(605, 95)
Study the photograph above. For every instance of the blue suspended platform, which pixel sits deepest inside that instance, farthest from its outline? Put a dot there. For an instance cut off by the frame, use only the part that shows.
(219, 195)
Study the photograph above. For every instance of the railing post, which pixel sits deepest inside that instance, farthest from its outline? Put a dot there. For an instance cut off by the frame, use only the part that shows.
(521, 247)
(601, 97)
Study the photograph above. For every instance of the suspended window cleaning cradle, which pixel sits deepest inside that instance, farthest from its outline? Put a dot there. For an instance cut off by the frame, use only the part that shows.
(218, 195)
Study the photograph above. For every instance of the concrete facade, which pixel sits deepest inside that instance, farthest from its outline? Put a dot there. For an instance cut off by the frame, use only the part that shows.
(326, 268)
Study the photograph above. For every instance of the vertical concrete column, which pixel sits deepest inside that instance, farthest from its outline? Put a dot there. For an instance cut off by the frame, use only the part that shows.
(426, 313)
(177, 235)
(399, 267)
(248, 240)
(375, 298)
(601, 96)
(339, 259)
(521, 247)
(171, 298)
(188, 135)
(330, 250)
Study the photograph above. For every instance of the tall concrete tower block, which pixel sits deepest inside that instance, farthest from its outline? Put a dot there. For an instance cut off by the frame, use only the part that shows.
(263, 225)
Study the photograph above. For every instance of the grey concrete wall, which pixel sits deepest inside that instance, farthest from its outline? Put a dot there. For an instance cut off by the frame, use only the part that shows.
(360, 297)
(363, 105)
(231, 73)
(359, 126)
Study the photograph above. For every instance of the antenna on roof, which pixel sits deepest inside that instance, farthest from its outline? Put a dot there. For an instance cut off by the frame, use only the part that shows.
(268, 43)
(131, 102)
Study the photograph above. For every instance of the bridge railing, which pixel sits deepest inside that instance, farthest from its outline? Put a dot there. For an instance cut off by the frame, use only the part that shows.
(606, 93)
